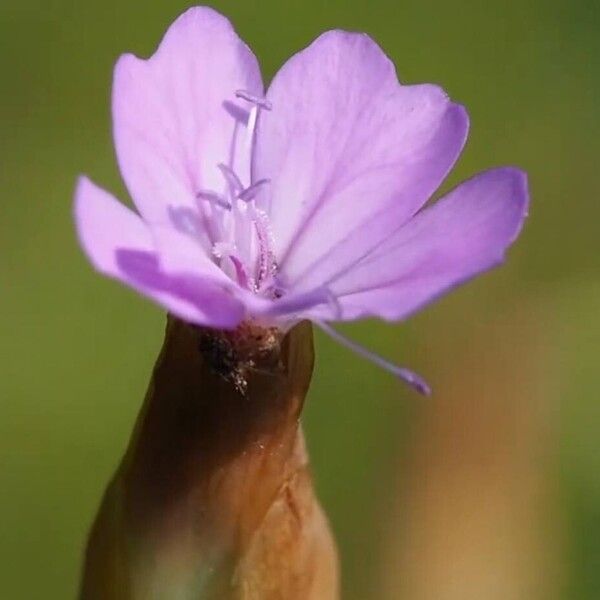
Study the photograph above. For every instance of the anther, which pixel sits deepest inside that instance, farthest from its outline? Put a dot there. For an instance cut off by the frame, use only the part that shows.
(256, 100)
(250, 192)
(214, 198)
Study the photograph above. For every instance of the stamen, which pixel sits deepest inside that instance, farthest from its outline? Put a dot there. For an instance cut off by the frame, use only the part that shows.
(250, 128)
(214, 198)
(250, 192)
(233, 181)
(256, 100)
(240, 271)
(412, 379)
(259, 103)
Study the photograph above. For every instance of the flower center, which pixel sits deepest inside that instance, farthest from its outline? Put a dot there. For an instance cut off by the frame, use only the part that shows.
(240, 232)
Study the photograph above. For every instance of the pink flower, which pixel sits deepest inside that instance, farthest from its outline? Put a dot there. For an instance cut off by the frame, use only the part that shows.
(302, 203)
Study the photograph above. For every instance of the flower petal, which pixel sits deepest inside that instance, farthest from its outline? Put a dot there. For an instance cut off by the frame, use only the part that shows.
(176, 115)
(104, 224)
(118, 244)
(465, 233)
(348, 149)
(181, 253)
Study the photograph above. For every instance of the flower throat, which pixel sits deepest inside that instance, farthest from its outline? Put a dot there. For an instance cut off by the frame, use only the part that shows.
(242, 243)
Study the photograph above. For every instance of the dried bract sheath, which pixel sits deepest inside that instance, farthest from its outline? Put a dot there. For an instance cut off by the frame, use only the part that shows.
(214, 497)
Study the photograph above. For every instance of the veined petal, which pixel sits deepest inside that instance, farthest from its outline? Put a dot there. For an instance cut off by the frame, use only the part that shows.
(462, 235)
(176, 116)
(119, 244)
(344, 145)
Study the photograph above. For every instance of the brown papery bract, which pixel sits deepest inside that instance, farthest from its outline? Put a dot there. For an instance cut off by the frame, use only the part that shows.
(214, 498)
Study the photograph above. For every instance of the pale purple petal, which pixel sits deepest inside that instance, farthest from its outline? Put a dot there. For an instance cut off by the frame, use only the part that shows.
(181, 253)
(175, 114)
(465, 233)
(351, 154)
(103, 224)
(194, 299)
(119, 244)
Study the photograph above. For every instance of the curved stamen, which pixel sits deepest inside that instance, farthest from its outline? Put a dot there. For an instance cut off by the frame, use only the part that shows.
(228, 250)
(250, 192)
(250, 128)
(408, 376)
(233, 181)
(214, 198)
(240, 272)
(259, 103)
(256, 100)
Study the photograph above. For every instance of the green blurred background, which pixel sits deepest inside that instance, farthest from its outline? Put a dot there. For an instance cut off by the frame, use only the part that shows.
(491, 489)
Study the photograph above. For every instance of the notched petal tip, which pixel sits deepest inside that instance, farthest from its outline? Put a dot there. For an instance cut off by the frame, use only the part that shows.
(197, 18)
(171, 119)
